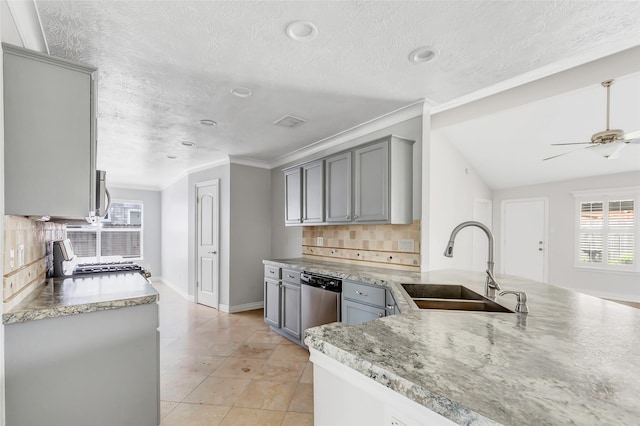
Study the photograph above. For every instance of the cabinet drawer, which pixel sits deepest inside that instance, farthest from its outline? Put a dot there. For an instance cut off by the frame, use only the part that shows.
(364, 293)
(272, 272)
(290, 276)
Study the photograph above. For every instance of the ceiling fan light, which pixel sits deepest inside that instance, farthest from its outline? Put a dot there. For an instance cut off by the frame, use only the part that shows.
(608, 150)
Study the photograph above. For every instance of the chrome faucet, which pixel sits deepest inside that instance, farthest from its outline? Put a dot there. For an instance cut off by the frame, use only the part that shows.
(490, 284)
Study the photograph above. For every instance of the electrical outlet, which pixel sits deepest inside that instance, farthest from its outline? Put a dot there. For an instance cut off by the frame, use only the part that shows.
(20, 255)
(12, 256)
(406, 245)
(320, 241)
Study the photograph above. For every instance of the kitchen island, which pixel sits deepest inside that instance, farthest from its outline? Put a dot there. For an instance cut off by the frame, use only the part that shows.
(572, 360)
(84, 350)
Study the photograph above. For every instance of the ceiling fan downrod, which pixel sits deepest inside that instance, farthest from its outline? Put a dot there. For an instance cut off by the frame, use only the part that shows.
(607, 84)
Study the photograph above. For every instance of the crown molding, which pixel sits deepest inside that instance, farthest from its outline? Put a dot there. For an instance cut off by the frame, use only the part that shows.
(394, 117)
(251, 162)
(28, 24)
(542, 72)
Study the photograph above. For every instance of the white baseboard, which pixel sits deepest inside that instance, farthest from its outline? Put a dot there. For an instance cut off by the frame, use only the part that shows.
(174, 287)
(240, 308)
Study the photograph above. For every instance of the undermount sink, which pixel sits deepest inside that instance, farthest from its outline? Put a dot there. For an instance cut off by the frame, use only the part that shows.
(450, 297)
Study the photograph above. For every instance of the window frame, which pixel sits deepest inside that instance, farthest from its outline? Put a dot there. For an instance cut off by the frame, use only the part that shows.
(605, 196)
(99, 230)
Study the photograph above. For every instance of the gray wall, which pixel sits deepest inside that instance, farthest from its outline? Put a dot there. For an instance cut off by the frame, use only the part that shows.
(561, 244)
(286, 242)
(174, 240)
(152, 223)
(250, 232)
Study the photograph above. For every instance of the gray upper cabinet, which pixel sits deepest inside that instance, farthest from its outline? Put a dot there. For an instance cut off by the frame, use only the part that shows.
(50, 144)
(293, 196)
(313, 192)
(372, 183)
(338, 188)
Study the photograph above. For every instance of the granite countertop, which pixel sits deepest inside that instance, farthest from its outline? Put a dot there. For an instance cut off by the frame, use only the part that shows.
(572, 360)
(88, 293)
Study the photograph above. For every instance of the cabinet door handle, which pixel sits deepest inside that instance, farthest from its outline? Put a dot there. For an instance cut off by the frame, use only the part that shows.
(380, 314)
(272, 272)
(391, 306)
(290, 276)
(346, 217)
(355, 216)
(213, 252)
(359, 293)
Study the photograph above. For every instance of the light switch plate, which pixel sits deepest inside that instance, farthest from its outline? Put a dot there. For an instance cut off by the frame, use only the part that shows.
(320, 241)
(406, 245)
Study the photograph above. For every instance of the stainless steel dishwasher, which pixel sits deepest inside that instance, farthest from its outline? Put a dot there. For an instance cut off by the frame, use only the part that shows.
(320, 300)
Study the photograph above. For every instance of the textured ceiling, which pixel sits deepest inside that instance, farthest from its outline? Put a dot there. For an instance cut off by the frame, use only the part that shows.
(164, 65)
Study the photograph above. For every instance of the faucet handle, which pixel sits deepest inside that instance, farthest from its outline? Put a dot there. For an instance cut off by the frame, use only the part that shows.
(521, 300)
(492, 280)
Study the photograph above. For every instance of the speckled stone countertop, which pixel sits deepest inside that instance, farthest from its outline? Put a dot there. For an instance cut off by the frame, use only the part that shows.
(87, 293)
(572, 360)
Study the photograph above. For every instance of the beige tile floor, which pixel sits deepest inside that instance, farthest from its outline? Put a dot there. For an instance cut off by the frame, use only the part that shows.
(228, 369)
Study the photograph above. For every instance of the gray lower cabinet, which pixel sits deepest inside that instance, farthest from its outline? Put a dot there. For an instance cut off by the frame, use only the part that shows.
(282, 302)
(363, 302)
(272, 302)
(49, 135)
(98, 368)
(291, 308)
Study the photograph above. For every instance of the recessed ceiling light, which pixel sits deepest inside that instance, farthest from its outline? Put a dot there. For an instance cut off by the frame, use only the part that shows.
(172, 157)
(241, 92)
(423, 54)
(188, 143)
(207, 122)
(302, 31)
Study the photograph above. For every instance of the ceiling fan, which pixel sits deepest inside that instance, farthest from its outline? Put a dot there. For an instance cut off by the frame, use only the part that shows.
(609, 142)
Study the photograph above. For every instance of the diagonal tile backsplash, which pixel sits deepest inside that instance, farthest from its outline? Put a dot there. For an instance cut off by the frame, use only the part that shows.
(36, 239)
(389, 246)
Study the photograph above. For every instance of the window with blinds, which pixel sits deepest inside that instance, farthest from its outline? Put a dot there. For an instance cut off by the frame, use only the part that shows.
(607, 232)
(118, 234)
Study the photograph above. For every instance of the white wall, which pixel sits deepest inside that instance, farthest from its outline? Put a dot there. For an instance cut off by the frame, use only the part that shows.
(286, 242)
(562, 215)
(250, 233)
(152, 221)
(174, 238)
(453, 188)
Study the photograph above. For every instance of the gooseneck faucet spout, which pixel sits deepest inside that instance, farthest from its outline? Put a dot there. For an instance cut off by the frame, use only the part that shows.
(490, 285)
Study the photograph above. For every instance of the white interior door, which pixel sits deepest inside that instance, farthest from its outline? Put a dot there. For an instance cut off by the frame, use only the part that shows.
(524, 238)
(208, 213)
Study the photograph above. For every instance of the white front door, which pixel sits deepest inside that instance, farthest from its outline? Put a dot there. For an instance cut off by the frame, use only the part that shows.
(524, 239)
(207, 208)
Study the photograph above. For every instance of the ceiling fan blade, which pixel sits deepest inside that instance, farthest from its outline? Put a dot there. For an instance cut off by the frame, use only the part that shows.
(572, 143)
(564, 153)
(631, 135)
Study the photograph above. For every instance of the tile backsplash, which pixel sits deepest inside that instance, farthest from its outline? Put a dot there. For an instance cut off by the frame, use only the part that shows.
(36, 239)
(389, 246)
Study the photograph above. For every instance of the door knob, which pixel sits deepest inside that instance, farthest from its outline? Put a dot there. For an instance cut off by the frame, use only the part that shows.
(213, 252)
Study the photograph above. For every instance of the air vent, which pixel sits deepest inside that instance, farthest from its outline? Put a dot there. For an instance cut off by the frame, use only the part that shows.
(290, 121)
